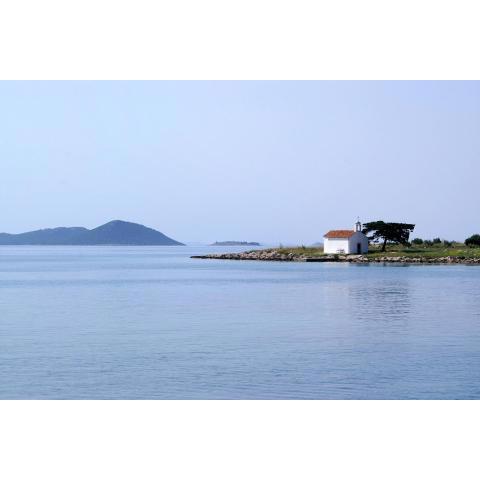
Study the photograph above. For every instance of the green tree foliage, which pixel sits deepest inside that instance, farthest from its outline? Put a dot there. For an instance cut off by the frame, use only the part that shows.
(436, 240)
(473, 241)
(417, 241)
(384, 232)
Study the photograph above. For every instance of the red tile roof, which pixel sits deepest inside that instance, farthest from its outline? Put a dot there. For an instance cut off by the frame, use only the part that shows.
(339, 234)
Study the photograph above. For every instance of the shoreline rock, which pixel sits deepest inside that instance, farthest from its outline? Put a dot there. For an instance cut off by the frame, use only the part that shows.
(275, 256)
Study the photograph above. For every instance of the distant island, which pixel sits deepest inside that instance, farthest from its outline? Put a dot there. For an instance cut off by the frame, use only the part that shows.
(234, 243)
(116, 232)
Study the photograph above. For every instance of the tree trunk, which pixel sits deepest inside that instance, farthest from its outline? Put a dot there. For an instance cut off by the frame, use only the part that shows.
(384, 244)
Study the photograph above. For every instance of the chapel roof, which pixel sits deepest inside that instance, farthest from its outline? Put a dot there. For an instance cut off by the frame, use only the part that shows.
(339, 234)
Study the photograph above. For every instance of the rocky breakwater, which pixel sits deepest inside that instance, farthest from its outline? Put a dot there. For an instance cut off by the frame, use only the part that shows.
(434, 260)
(268, 255)
(279, 256)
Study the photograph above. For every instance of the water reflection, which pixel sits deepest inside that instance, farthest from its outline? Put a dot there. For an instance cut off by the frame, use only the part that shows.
(386, 301)
(369, 297)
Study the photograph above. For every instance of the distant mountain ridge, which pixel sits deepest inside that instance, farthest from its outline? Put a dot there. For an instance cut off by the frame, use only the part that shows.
(116, 232)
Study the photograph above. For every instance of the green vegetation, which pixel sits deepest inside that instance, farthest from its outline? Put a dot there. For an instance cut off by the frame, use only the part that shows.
(427, 250)
(473, 241)
(304, 251)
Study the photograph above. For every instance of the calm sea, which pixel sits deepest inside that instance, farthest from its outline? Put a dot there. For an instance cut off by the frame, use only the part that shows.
(151, 323)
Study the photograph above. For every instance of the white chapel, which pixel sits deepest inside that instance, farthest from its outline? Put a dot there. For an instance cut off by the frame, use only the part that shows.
(346, 241)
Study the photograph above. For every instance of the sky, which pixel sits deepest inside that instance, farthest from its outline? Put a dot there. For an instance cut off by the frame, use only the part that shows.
(274, 162)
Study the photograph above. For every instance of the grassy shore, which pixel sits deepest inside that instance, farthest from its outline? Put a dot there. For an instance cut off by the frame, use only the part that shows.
(458, 250)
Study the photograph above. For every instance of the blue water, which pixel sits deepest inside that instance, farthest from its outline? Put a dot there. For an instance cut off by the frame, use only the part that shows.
(151, 323)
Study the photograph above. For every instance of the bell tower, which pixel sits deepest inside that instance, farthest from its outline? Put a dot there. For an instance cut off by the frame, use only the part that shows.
(358, 225)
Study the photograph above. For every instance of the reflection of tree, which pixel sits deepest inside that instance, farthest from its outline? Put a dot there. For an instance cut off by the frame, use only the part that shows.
(388, 300)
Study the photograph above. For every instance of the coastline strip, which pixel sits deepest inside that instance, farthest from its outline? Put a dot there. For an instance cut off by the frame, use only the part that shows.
(274, 256)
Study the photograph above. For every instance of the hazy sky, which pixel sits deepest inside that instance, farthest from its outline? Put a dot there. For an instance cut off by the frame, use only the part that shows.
(260, 161)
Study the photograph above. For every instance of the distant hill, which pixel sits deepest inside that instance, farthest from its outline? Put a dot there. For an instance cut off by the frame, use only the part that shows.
(233, 243)
(116, 232)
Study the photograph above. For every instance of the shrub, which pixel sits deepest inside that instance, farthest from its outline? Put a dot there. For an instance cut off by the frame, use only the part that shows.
(436, 240)
(417, 241)
(428, 243)
(473, 241)
(447, 243)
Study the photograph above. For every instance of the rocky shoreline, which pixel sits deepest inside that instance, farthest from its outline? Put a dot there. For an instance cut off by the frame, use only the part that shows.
(274, 256)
